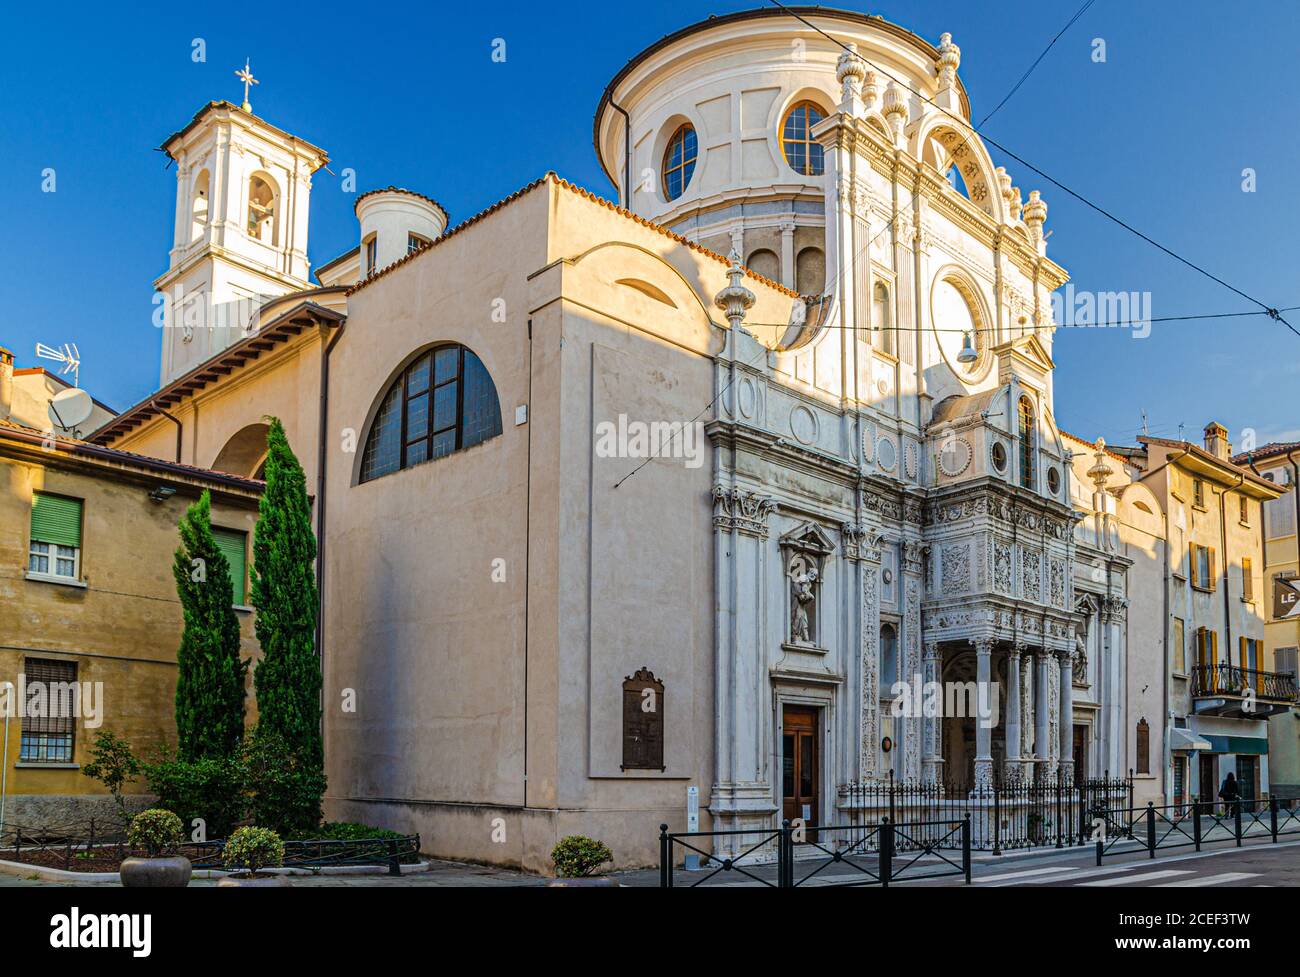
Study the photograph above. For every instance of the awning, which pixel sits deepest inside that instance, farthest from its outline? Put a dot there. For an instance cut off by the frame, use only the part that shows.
(1184, 739)
(1238, 744)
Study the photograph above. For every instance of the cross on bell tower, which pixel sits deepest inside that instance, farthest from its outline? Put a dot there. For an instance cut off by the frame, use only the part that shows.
(245, 75)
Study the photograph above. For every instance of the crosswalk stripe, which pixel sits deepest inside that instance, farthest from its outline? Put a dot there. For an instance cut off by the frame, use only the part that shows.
(1224, 879)
(1063, 873)
(1130, 879)
(1023, 873)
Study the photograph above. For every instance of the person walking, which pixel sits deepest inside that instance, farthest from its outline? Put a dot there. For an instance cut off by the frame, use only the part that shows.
(1229, 793)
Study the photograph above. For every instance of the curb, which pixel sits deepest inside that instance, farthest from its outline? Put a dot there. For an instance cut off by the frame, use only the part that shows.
(25, 871)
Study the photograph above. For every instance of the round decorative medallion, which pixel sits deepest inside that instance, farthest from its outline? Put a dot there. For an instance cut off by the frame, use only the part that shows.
(998, 455)
(747, 396)
(954, 457)
(803, 424)
(1054, 481)
(868, 442)
(886, 454)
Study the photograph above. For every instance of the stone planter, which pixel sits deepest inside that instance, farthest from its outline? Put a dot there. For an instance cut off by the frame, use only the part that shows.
(253, 882)
(173, 872)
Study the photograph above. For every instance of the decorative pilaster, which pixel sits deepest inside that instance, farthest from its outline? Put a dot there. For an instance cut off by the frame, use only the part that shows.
(1052, 678)
(869, 749)
(1066, 749)
(912, 644)
(1026, 705)
(1044, 682)
(1014, 769)
(932, 762)
(983, 734)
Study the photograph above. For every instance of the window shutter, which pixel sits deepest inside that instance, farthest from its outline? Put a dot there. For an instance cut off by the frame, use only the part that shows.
(56, 519)
(1214, 647)
(1191, 561)
(1214, 573)
(233, 545)
(1242, 643)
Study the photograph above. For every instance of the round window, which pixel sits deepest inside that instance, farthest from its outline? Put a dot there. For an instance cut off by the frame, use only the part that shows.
(999, 456)
(1053, 481)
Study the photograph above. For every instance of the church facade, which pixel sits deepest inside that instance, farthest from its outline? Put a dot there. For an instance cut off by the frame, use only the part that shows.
(605, 515)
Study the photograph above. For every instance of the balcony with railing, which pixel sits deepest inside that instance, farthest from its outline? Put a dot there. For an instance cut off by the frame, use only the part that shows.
(1247, 693)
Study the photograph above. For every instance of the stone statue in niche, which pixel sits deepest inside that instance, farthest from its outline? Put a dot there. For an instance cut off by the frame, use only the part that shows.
(804, 577)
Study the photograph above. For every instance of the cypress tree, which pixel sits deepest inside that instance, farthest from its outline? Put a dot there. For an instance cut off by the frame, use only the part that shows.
(288, 678)
(210, 675)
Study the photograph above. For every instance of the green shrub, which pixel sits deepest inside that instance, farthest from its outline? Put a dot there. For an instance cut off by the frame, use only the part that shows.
(157, 831)
(211, 788)
(113, 764)
(284, 792)
(577, 856)
(344, 831)
(253, 849)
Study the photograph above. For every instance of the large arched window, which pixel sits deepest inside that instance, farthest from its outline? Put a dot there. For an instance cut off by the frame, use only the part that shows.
(1026, 443)
(679, 161)
(443, 402)
(801, 151)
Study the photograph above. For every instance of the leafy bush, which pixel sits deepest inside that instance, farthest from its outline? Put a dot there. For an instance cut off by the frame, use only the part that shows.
(284, 793)
(157, 831)
(577, 856)
(211, 788)
(113, 764)
(253, 849)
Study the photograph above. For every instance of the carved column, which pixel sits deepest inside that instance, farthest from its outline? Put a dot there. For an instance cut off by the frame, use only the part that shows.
(1066, 751)
(913, 567)
(1013, 768)
(983, 732)
(863, 546)
(1053, 714)
(932, 762)
(1043, 683)
(1026, 706)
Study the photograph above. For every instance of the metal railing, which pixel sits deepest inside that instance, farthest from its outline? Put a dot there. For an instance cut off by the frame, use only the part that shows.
(827, 855)
(1192, 825)
(76, 845)
(1232, 680)
(1054, 812)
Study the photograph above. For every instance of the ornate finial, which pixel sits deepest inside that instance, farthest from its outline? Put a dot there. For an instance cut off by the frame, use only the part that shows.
(895, 109)
(948, 63)
(1100, 471)
(849, 72)
(735, 300)
(1004, 186)
(1016, 206)
(246, 76)
(870, 90)
(1035, 215)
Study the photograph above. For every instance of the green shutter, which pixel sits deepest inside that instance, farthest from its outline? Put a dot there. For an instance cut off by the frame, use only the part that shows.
(56, 519)
(232, 545)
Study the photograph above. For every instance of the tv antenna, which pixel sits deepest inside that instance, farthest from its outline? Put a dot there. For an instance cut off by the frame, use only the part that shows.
(67, 354)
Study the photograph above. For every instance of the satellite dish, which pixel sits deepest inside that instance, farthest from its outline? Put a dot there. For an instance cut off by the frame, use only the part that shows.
(70, 407)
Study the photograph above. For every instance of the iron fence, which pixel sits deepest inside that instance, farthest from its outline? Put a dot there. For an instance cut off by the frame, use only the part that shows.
(1193, 825)
(794, 856)
(79, 844)
(1005, 814)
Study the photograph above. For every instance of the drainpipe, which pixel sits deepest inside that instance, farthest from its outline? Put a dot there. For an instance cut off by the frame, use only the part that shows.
(627, 154)
(4, 770)
(180, 428)
(321, 455)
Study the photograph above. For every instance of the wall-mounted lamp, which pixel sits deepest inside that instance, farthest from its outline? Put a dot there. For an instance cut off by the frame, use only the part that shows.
(162, 493)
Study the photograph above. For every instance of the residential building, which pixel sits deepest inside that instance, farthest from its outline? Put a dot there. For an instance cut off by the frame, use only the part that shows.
(89, 618)
(1280, 601)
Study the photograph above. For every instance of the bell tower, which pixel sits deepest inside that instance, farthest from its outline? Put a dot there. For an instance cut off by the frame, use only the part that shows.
(242, 192)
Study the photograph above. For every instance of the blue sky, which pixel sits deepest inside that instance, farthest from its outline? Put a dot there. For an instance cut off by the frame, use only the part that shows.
(1190, 95)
